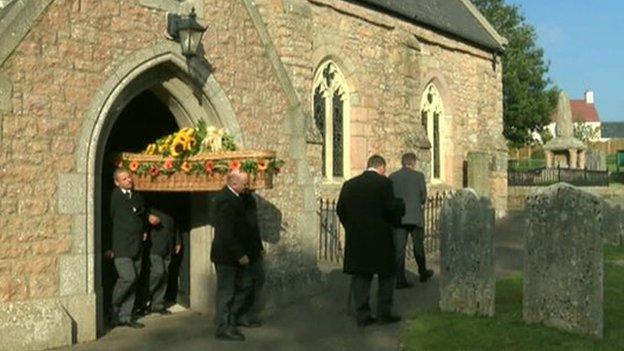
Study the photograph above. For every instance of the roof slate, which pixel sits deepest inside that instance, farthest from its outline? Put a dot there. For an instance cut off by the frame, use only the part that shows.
(450, 16)
(612, 129)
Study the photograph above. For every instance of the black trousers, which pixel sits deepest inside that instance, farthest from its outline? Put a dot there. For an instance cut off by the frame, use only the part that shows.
(125, 288)
(253, 305)
(158, 278)
(400, 241)
(233, 289)
(360, 292)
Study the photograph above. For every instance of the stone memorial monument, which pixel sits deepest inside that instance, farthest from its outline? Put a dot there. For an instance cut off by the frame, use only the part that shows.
(563, 263)
(564, 150)
(467, 282)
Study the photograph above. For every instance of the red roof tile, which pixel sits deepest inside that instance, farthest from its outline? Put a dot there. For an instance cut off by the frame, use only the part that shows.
(583, 112)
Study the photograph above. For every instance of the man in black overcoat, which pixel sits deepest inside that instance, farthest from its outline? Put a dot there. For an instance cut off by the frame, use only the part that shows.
(367, 209)
(131, 221)
(409, 185)
(231, 249)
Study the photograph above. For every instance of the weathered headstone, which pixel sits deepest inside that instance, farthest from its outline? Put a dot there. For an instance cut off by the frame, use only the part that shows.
(563, 265)
(479, 172)
(596, 160)
(612, 228)
(467, 282)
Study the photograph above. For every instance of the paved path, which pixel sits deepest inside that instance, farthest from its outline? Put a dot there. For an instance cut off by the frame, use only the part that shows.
(317, 322)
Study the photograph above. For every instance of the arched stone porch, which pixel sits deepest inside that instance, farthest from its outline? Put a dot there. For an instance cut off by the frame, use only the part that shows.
(191, 94)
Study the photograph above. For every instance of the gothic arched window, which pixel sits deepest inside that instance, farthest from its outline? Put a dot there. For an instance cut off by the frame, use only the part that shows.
(432, 112)
(331, 110)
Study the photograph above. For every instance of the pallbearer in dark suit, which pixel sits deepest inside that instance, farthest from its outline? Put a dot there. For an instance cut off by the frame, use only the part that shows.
(165, 239)
(249, 315)
(367, 208)
(231, 249)
(409, 185)
(130, 225)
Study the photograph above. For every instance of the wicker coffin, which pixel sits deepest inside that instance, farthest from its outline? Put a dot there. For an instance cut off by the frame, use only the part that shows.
(198, 178)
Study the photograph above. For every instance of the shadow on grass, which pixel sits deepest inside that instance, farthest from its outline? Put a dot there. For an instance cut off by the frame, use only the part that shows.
(507, 331)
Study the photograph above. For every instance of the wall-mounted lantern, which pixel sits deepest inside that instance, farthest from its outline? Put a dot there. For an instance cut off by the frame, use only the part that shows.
(186, 30)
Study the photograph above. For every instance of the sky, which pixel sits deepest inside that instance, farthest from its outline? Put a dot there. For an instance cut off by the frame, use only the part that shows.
(584, 42)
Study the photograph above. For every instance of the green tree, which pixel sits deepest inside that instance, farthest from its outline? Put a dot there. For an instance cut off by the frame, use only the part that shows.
(528, 100)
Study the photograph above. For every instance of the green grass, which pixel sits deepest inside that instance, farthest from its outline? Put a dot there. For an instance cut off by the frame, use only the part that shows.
(506, 331)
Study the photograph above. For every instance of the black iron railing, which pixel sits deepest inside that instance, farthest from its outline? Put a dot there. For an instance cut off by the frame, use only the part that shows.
(331, 237)
(330, 240)
(548, 176)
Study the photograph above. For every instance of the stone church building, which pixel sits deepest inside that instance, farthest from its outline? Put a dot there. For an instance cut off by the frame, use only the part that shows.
(324, 83)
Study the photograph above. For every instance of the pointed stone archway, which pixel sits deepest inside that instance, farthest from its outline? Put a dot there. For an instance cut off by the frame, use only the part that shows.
(191, 94)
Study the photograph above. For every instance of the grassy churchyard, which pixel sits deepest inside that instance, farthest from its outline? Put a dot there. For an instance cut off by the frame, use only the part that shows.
(506, 330)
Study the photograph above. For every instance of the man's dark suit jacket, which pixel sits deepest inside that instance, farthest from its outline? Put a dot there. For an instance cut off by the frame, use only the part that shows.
(251, 211)
(232, 239)
(410, 186)
(129, 223)
(163, 236)
(367, 208)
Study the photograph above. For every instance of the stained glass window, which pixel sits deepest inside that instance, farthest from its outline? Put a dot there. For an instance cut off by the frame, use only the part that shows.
(337, 135)
(319, 119)
(432, 119)
(329, 117)
(436, 145)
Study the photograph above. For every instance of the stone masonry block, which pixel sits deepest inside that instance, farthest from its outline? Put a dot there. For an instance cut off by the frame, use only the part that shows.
(563, 265)
(81, 309)
(71, 193)
(34, 325)
(73, 275)
(467, 282)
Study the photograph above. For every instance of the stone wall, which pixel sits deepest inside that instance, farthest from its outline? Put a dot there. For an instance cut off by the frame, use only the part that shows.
(262, 56)
(55, 74)
(388, 63)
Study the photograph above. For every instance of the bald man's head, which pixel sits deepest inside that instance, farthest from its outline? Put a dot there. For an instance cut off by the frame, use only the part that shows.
(238, 181)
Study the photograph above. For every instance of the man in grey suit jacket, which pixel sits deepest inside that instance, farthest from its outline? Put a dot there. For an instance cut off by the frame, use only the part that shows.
(409, 185)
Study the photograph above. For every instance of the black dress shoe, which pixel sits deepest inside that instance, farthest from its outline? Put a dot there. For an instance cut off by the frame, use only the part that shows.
(389, 319)
(248, 323)
(366, 322)
(405, 285)
(231, 335)
(163, 311)
(140, 312)
(426, 275)
(131, 324)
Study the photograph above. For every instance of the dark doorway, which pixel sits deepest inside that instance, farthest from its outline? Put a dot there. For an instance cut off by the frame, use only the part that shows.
(141, 122)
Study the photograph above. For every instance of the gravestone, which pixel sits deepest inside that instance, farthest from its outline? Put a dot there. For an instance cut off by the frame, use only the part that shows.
(563, 264)
(612, 228)
(596, 160)
(467, 282)
(479, 172)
